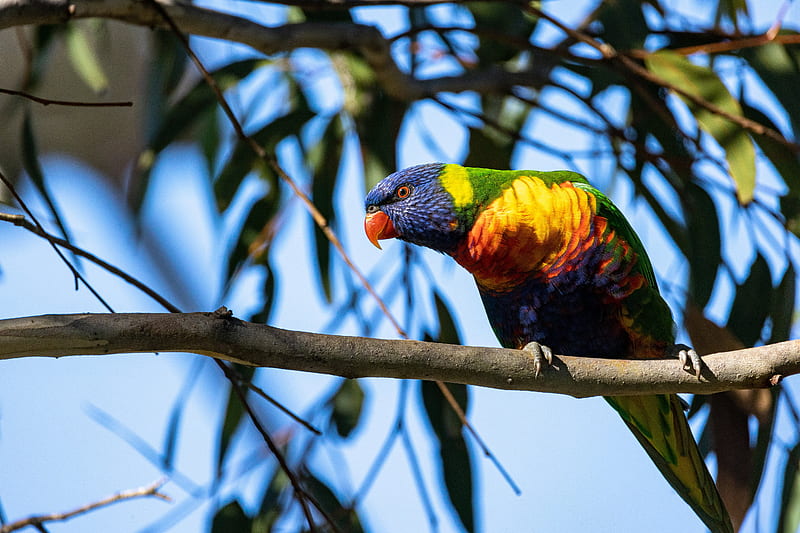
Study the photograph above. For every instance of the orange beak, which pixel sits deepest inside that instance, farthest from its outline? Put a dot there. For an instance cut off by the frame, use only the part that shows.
(377, 226)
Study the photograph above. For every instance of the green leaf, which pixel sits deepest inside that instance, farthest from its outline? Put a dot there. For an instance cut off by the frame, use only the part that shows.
(448, 332)
(43, 37)
(271, 509)
(763, 441)
(704, 83)
(752, 303)
(30, 162)
(516, 25)
(176, 414)
(325, 159)
(347, 404)
(623, 24)
(789, 518)
(234, 411)
(253, 232)
(268, 296)
(778, 66)
(243, 159)
(84, 59)
(231, 519)
(782, 309)
(344, 518)
(705, 253)
(785, 161)
(490, 147)
(377, 117)
(729, 10)
(169, 126)
(453, 450)
(164, 77)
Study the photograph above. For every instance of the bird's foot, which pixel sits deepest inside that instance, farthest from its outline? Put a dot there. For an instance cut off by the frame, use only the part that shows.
(689, 358)
(542, 355)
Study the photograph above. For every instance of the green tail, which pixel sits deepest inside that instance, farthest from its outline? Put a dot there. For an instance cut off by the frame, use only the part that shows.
(663, 431)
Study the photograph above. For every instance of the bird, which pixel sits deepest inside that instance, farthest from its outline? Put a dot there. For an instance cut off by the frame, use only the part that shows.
(559, 270)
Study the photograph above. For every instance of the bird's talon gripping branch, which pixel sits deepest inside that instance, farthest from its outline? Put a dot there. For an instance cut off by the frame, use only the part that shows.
(542, 355)
(689, 358)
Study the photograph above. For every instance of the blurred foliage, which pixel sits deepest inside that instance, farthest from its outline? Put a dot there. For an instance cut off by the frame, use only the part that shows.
(726, 197)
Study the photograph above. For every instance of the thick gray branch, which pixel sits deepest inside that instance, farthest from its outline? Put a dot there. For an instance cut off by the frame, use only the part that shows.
(218, 335)
(196, 20)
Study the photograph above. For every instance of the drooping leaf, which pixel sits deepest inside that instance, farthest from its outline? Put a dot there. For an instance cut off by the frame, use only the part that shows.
(164, 77)
(252, 243)
(271, 509)
(30, 161)
(490, 146)
(782, 309)
(703, 82)
(173, 124)
(778, 66)
(268, 296)
(453, 451)
(84, 58)
(325, 161)
(377, 117)
(785, 161)
(176, 414)
(789, 517)
(231, 519)
(234, 411)
(517, 26)
(730, 10)
(199, 99)
(752, 303)
(347, 403)
(448, 332)
(343, 517)
(763, 440)
(243, 160)
(705, 253)
(623, 24)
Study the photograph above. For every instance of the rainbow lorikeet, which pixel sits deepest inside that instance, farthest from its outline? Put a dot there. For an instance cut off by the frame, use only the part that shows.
(559, 269)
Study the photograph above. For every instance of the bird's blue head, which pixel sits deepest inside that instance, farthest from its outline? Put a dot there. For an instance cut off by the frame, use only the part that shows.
(412, 205)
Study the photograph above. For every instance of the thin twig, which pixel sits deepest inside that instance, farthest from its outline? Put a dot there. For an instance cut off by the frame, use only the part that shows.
(285, 410)
(38, 520)
(610, 54)
(22, 222)
(77, 275)
(71, 103)
(484, 448)
(301, 494)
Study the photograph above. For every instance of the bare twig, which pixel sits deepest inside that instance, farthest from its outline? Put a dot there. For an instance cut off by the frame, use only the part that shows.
(71, 103)
(75, 273)
(22, 222)
(627, 63)
(213, 334)
(38, 520)
(728, 45)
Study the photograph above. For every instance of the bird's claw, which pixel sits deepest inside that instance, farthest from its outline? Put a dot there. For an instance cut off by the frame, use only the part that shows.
(541, 355)
(689, 358)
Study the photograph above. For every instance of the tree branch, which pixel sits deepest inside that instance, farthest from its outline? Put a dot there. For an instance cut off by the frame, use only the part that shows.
(39, 520)
(218, 335)
(196, 20)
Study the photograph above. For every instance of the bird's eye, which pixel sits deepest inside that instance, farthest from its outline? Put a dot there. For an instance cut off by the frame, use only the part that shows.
(402, 191)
